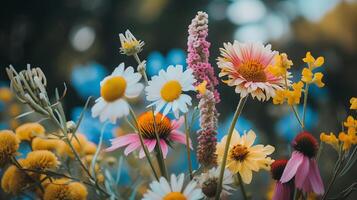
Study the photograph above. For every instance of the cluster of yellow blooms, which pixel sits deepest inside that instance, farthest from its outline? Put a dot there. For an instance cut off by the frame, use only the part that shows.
(347, 139)
(45, 154)
(293, 95)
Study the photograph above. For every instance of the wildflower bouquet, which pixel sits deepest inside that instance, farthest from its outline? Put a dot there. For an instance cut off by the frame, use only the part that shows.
(64, 164)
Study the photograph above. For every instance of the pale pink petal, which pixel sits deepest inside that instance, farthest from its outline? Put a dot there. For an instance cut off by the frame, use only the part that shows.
(125, 140)
(302, 172)
(179, 137)
(151, 145)
(315, 178)
(142, 153)
(130, 148)
(176, 124)
(282, 191)
(292, 166)
(164, 148)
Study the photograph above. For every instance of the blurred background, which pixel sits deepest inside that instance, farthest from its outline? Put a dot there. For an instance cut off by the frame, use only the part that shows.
(76, 42)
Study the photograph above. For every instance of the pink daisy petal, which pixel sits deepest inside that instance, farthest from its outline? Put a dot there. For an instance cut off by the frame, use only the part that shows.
(282, 191)
(176, 124)
(164, 148)
(179, 137)
(142, 153)
(151, 145)
(125, 140)
(130, 148)
(302, 172)
(292, 166)
(315, 178)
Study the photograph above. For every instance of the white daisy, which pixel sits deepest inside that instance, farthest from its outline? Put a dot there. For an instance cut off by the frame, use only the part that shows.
(166, 90)
(163, 190)
(208, 182)
(114, 89)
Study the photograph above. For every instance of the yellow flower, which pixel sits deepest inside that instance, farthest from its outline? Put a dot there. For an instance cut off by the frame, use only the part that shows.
(330, 139)
(348, 140)
(350, 122)
(201, 88)
(353, 102)
(243, 156)
(8, 146)
(63, 189)
(307, 75)
(310, 60)
(279, 97)
(29, 130)
(41, 159)
(281, 65)
(129, 44)
(294, 96)
(90, 148)
(14, 180)
(5, 94)
(318, 79)
(50, 144)
(78, 145)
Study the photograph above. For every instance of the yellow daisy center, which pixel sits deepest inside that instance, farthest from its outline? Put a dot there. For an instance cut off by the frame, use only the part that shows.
(130, 44)
(113, 88)
(238, 152)
(252, 71)
(171, 91)
(174, 196)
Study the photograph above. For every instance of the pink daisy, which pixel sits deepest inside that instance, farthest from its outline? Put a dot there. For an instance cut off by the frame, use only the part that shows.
(168, 132)
(246, 65)
(303, 166)
(282, 191)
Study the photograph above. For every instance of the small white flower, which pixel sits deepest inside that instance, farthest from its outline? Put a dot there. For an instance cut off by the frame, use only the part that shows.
(129, 44)
(174, 190)
(166, 90)
(208, 182)
(114, 89)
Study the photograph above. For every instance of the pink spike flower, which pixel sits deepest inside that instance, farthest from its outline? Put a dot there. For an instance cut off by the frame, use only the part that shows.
(167, 129)
(303, 166)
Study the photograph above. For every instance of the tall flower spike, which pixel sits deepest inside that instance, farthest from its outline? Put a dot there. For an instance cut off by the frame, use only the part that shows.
(198, 53)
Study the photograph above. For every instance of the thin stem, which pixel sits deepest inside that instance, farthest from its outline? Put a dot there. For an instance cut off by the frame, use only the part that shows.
(147, 155)
(230, 133)
(241, 185)
(332, 180)
(306, 93)
(189, 161)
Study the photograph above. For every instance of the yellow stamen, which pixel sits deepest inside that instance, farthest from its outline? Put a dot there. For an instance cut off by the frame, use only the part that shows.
(171, 91)
(113, 88)
(130, 44)
(238, 152)
(174, 196)
(252, 71)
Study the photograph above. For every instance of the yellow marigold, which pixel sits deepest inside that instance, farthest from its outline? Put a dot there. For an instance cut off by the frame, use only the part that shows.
(14, 180)
(39, 143)
(5, 94)
(90, 148)
(353, 102)
(348, 140)
(312, 62)
(64, 189)
(8, 146)
(28, 131)
(330, 139)
(78, 145)
(41, 159)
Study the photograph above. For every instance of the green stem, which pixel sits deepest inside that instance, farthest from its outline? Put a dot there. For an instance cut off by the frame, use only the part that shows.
(189, 161)
(230, 133)
(297, 116)
(241, 185)
(333, 179)
(306, 93)
(147, 155)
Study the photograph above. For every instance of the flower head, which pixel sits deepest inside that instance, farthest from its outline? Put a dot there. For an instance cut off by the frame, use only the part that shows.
(51, 144)
(347, 139)
(28, 131)
(281, 66)
(312, 62)
(208, 182)
(41, 159)
(303, 166)
(14, 180)
(79, 145)
(330, 139)
(90, 148)
(9, 145)
(65, 189)
(173, 190)
(167, 130)
(167, 90)
(129, 44)
(282, 191)
(246, 65)
(353, 102)
(243, 156)
(114, 89)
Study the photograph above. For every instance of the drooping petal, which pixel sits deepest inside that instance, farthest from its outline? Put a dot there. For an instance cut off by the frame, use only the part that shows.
(302, 172)
(164, 148)
(292, 166)
(315, 178)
